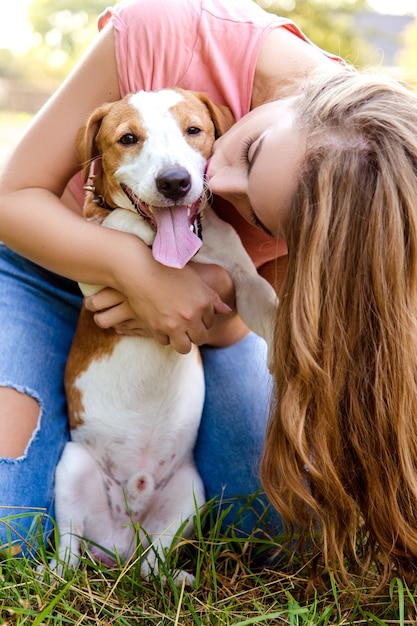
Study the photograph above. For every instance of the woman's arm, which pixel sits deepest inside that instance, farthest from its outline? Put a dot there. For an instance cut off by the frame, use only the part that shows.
(33, 220)
(175, 306)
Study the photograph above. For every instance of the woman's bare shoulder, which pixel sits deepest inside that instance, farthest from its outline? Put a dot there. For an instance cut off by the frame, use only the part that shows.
(286, 58)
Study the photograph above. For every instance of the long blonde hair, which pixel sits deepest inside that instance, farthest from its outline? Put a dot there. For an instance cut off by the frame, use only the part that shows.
(341, 446)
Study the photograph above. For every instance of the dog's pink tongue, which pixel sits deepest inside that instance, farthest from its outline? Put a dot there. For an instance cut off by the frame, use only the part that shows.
(175, 244)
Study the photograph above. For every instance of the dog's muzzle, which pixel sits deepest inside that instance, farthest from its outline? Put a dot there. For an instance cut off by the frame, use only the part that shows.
(178, 229)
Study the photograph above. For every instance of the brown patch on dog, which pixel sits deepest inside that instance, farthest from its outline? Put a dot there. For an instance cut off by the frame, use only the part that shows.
(197, 110)
(93, 344)
(93, 212)
(98, 142)
(75, 408)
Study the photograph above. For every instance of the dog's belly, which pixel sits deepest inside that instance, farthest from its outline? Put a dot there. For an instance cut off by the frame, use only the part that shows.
(140, 407)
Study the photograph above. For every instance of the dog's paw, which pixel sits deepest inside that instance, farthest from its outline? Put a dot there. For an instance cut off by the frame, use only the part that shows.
(54, 567)
(181, 577)
(59, 565)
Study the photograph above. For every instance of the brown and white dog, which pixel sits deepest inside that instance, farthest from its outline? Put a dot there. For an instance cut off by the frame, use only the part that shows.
(135, 405)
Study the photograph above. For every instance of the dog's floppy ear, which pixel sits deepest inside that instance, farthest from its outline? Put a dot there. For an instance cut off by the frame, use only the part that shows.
(87, 149)
(220, 114)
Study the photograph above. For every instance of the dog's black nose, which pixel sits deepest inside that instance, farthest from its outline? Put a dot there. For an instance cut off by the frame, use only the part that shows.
(173, 182)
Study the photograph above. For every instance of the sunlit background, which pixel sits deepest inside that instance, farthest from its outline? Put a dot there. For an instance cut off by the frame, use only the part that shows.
(15, 29)
(41, 40)
(16, 33)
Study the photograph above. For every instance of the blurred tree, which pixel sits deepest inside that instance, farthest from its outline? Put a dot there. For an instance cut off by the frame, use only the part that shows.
(9, 67)
(328, 23)
(64, 28)
(407, 57)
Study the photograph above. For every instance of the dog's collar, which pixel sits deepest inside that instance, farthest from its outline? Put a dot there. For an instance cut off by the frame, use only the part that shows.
(98, 198)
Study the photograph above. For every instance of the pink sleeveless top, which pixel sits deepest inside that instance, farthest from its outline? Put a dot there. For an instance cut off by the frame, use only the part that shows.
(205, 45)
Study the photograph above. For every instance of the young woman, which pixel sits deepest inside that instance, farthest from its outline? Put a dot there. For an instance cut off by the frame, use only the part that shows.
(240, 56)
(341, 446)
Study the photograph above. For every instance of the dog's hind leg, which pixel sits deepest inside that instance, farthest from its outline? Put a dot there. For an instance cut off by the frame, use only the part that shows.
(170, 518)
(82, 510)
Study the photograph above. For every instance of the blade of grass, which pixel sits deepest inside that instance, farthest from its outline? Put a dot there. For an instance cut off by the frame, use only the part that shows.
(48, 609)
(398, 583)
(177, 616)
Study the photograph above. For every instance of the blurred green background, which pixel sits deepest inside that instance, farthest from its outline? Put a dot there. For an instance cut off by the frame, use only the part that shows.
(40, 41)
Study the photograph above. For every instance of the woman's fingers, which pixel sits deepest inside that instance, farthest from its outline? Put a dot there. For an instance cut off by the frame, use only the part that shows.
(104, 299)
(175, 332)
(115, 315)
(180, 314)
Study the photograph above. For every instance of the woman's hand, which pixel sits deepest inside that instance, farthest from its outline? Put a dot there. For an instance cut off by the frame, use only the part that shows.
(194, 306)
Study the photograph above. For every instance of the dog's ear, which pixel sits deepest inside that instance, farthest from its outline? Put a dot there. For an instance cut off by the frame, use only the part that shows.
(220, 114)
(87, 149)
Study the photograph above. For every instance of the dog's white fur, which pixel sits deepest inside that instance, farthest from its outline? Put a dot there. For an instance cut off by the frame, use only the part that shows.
(135, 405)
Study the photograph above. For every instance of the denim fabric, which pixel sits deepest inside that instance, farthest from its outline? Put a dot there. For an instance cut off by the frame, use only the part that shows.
(232, 431)
(38, 314)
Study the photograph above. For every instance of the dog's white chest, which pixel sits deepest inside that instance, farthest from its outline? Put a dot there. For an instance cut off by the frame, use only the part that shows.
(133, 421)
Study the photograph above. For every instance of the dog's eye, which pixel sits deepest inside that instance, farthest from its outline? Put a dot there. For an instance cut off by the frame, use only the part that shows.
(193, 130)
(128, 139)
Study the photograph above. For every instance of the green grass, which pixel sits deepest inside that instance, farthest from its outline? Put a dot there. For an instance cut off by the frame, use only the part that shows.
(232, 588)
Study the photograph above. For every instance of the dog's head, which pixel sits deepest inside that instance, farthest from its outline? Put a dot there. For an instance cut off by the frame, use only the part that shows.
(152, 149)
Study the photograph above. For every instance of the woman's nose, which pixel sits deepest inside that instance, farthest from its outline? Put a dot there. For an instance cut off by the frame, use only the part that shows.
(227, 182)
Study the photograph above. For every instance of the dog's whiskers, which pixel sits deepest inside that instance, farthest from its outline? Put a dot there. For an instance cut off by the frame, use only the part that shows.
(207, 194)
(88, 166)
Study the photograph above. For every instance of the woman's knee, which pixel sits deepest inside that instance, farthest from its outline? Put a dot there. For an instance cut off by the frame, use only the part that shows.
(33, 433)
(19, 416)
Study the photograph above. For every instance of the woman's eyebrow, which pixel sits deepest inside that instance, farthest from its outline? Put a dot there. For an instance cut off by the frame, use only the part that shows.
(256, 153)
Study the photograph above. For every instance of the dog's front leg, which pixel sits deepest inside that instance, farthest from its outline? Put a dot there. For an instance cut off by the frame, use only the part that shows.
(128, 222)
(256, 299)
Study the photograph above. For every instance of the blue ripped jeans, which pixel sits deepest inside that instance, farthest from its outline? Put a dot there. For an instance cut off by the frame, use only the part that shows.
(38, 315)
